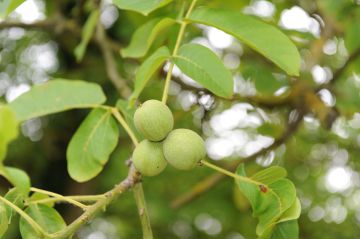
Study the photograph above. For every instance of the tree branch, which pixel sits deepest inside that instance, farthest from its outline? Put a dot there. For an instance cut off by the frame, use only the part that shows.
(44, 24)
(353, 56)
(261, 101)
(132, 179)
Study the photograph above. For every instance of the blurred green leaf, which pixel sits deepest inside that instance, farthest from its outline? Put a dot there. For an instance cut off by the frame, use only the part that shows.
(18, 178)
(7, 6)
(347, 96)
(145, 35)
(8, 129)
(352, 35)
(56, 96)
(4, 223)
(266, 83)
(48, 218)
(262, 37)
(141, 6)
(274, 130)
(91, 145)
(87, 33)
(147, 69)
(203, 66)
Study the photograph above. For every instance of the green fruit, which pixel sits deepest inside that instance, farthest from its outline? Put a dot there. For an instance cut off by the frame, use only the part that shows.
(183, 149)
(154, 120)
(148, 158)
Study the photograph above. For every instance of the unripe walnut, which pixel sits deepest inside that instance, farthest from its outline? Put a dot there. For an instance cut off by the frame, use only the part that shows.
(148, 158)
(154, 120)
(183, 149)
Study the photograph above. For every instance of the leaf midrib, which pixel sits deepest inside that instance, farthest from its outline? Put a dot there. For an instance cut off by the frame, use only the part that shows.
(92, 132)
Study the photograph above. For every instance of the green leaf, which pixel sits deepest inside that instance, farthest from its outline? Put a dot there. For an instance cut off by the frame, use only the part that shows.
(92, 144)
(262, 37)
(266, 83)
(48, 218)
(286, 230)
(4, 223)
(15, 196)
(39, 196)
(128, 113)
(347, 96)
(292, 212)
(285, 191)
(270, 175)
(7, 6)
(203, 66)
(8, 129)
(6, 212)
(87, 32)
(56, 96)
(141, 6)
(18, 178)
(145, 35)
(268, 205)
(147, 69)
(352, 35)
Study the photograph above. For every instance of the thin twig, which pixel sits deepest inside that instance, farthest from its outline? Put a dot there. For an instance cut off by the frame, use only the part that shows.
(110, 62)
(44, 24)
(60, 197)
(79, 198)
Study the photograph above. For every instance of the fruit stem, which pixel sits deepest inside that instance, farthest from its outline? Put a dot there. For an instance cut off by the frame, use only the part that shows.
(176, 48)
(228, 173)
(142, 210)
(123, 123)
(60, 197)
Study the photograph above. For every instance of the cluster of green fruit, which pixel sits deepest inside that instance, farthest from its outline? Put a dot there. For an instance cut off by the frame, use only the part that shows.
(181, 148)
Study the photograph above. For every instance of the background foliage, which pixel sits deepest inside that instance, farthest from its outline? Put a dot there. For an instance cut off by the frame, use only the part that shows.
(308, 124)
